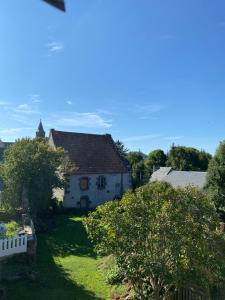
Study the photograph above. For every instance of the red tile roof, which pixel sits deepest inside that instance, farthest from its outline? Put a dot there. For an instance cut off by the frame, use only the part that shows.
(91, 153)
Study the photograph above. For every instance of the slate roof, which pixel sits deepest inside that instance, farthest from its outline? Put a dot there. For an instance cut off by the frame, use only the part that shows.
(91, 153)
(40, 126)
(180, 178)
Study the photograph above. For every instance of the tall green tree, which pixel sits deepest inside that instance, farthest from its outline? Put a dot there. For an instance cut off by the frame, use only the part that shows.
(216, 179)
(162, 238)
(30, 169)
(204, 160)
(187, 159)
(155, 159)
(136, 162)
(122, 150)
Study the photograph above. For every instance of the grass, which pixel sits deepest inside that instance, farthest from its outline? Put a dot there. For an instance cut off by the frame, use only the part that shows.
(66, 267)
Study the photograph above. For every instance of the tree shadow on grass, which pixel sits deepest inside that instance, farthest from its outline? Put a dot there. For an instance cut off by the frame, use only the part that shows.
(70, 238)
(51, 281)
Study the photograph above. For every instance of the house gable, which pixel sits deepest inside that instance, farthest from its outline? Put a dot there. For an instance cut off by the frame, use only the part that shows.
(91, 153)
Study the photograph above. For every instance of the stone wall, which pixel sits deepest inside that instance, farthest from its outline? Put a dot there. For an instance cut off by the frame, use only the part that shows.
(116, 184)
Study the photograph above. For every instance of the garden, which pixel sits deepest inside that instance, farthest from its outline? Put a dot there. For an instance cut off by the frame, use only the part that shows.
(9, 229)
(66, 267)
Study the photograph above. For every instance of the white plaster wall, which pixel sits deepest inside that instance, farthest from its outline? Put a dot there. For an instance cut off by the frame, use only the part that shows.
(96, 196)
(50, 141)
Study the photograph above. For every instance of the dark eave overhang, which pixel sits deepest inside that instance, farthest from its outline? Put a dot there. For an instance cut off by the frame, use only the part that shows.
(60, 4)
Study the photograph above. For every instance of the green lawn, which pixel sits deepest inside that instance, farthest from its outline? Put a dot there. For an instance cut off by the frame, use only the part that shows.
(66, 265)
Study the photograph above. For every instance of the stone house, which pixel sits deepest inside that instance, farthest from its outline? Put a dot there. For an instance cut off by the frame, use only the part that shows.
(101, 174)
(180, 178)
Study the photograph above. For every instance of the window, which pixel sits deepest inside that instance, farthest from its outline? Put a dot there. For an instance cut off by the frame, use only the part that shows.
(101, 182)
(84, 183)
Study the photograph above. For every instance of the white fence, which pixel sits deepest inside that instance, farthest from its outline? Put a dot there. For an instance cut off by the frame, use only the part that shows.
(13, 245)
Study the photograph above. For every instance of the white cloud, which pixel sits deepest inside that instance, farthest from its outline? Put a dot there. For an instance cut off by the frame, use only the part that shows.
(4, 103)
(13, 130)
(69, 102)
(35, 98)
(150, 108)
(141, 137)
(147, 117)
(77, 119)
(27, 109)
(173, 138)
(55, 46)
(17, 117)
(105, 112)
(23, 106)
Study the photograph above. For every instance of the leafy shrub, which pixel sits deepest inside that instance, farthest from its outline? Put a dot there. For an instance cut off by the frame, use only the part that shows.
(11, 229)
(217, 292)
(115, 275)
(162, 238)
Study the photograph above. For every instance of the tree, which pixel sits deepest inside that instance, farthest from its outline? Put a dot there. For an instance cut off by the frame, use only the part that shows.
(155, 159)
(216, 178)
(204, 160)
(136, 162)
(29, 170)
(122, 150)
(162, 238)
(188, 159)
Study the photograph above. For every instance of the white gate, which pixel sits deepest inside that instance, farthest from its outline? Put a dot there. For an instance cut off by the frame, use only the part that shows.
(13, 245)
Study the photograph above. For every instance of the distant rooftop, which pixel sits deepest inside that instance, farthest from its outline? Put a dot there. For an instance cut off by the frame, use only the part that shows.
(180, 178)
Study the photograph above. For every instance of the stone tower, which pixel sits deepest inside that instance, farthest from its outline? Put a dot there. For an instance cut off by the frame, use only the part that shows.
(40, 133)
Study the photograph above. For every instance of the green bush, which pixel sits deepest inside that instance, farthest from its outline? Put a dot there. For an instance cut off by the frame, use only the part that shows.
(11, 229)
(114, 275)
(217, 292)
(161, 238)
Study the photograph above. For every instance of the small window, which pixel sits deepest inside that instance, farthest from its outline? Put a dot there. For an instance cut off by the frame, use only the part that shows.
(101, 182)
(84, 183)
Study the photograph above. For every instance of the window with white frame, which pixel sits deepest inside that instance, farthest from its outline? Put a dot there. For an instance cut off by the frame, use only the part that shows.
(101, 182)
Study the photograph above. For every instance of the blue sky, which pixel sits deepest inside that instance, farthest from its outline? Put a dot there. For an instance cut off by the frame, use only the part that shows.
(150, 72)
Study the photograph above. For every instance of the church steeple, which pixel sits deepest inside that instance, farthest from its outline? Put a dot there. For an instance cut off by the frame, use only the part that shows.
(40, 133)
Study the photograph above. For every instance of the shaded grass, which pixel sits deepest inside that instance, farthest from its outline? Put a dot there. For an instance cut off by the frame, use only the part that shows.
(65, 268)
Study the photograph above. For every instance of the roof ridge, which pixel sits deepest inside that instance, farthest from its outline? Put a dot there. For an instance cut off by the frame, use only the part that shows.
(189, 171)
(84, 133)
